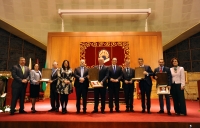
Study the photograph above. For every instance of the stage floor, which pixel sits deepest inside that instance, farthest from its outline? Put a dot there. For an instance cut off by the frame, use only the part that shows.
(193, 114)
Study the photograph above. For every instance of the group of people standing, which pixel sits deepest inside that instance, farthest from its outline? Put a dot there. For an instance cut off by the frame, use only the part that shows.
(110, 77)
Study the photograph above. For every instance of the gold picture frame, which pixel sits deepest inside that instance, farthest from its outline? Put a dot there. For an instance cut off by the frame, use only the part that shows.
(46, 74)
(139, 73)
(96, 84)
(163, 89)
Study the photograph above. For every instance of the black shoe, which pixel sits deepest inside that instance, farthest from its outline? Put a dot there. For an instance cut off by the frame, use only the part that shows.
(149, 112)
(84, 111)
(169, 113)
(12, 113)
(102, 111)
(51, 110)
(183, 114)
(111, 110)
(95, 111)
(57, 110)
(64, 111)
(160, 112)
(131, 110)
(127, 110)
(22, 112)
(177, 114)
(117, 110)
(143, 111)
(77, 112)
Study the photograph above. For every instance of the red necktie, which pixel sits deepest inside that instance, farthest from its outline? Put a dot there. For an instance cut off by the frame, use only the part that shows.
(160, 69)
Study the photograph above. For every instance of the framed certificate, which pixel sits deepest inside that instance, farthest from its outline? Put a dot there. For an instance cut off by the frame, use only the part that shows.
(139, 73)
(46, 74)
(96, 84)
(93, 74)
(162, 78)
(163, 89)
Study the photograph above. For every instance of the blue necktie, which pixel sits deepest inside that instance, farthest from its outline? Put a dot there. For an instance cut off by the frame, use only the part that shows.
(114, 69)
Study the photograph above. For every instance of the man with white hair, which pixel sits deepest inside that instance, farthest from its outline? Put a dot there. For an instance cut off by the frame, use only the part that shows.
(54, 96)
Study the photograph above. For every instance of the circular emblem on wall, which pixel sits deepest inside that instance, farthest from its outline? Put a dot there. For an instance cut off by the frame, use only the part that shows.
(105, 55)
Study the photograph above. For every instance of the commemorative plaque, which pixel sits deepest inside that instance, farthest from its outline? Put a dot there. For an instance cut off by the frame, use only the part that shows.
(139, 73)
(93, 77)
(46, 74)
(162, 82)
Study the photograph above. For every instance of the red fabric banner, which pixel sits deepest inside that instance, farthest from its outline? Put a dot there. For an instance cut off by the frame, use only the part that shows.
(91, 51)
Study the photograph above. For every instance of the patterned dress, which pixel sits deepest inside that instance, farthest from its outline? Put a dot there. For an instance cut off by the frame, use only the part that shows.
(63, 88)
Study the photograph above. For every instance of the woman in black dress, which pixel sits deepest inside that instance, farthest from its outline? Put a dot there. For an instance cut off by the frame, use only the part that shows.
(35, 76)
(64, 85)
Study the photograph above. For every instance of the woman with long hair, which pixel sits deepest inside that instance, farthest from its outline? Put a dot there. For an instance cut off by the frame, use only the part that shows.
(64, 85)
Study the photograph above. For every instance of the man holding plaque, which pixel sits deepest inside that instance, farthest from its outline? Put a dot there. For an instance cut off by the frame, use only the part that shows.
(128, 85)
(103, 75)
(145, 86)
(54, 95)
(81, 84)
(163, 69)
(115, 75)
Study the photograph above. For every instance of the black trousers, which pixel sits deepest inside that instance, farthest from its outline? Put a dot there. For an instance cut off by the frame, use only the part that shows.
(161, 102)
(18, 93)
(102, 93)
(54, 99)
(64, 100)
(81, 91)
(178, 99)
(128, 94)
(114, 91)
(145, 89)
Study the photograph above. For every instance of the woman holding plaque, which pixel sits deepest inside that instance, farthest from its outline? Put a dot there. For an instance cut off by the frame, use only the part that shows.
(177, 87)
(35, 76)
(64, 85)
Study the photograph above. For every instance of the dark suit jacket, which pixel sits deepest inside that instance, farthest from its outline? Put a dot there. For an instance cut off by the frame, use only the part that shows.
(55, 80)
(167, 70)
(116, 75)
(126, 77)
(103, 74)
(18, 75)
(77, 75)
(150, 73)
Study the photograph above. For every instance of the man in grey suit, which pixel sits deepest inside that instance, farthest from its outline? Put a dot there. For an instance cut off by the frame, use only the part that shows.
(162, 68)
(20, 74)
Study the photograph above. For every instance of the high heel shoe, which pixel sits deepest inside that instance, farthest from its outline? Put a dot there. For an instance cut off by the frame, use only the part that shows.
(33, 110)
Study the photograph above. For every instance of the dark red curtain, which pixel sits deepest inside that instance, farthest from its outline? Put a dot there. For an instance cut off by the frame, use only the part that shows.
(91, 51)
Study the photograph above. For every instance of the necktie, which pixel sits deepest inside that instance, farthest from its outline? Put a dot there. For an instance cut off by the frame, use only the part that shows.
(160, 69)
(100, 67)
(128, 71)
(114, 69)
(82, 70)
(23, 69)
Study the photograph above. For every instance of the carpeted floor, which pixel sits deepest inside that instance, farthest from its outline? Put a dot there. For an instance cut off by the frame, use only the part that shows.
(43, 115)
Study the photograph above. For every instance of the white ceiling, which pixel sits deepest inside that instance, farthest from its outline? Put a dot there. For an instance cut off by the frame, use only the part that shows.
(38, 17)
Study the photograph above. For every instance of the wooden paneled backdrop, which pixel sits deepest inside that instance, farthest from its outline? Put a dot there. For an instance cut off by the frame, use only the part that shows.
(66, 45)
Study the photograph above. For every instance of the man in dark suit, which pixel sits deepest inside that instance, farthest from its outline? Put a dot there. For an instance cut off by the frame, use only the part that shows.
(115, 75)
(128, 85)
(81, 85)
(162, 68)
(145, 86)
(20, 74)
(54, 96)
(103, 75)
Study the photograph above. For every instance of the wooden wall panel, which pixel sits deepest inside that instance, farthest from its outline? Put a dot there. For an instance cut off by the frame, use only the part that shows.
(62, 46)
